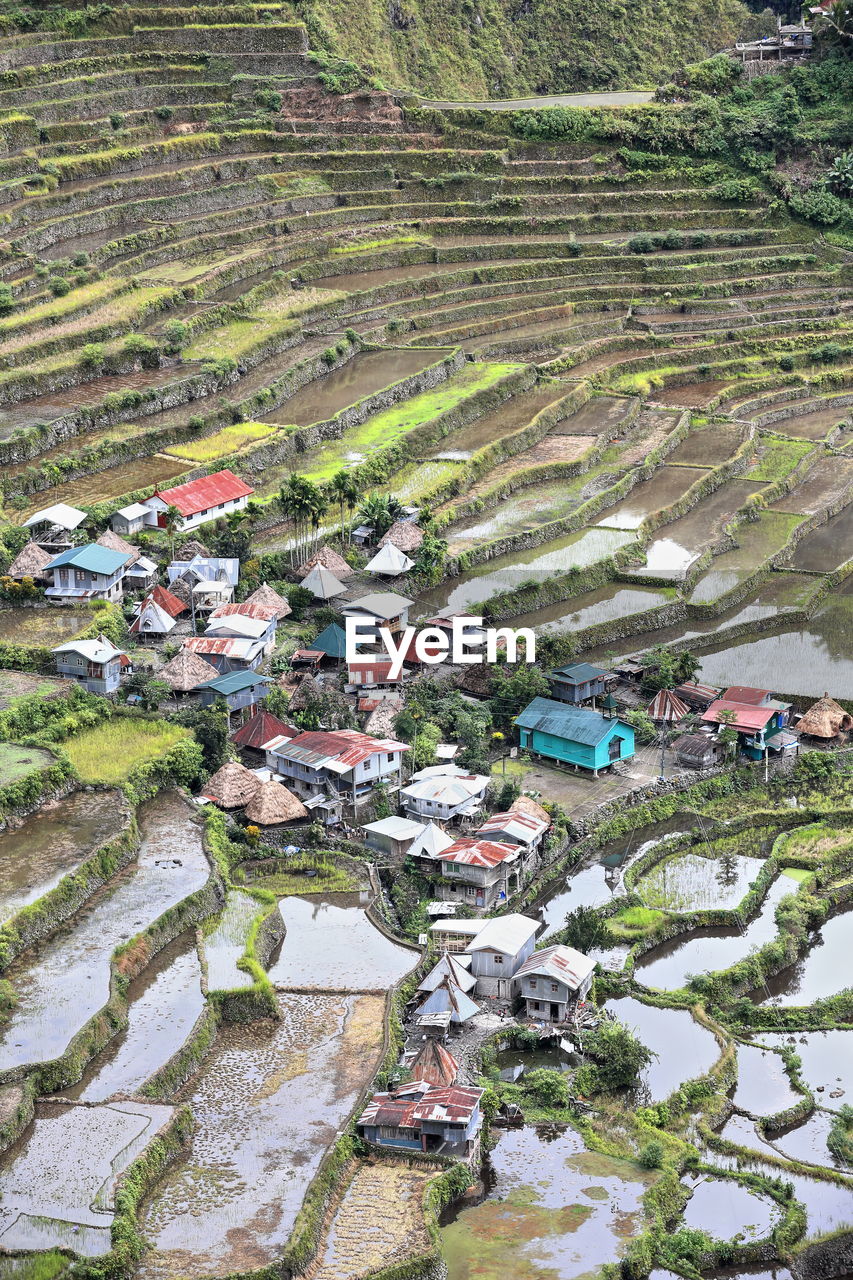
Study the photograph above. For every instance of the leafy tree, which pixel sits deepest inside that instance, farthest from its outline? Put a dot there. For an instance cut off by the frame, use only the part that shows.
(300, 600)
(380, 511)
(665, 668)
(651, 1154)
(549, 1088)
(642, 724)
(619, 1055)
(585, 929)
(815, 766)
(343, 490)
(210, 729)
(423, 752)
(513, 688)
(172, 522)
(7, 299)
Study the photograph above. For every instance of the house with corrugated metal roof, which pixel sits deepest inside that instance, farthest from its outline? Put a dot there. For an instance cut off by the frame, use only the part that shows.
(578, 682)
(239, 689)
(96, 664)
(553, 980)
(422, 1117)
(207, 498)
(342, 763)
(577, 736)
(498, 950)
(86, 573)
(447, 792)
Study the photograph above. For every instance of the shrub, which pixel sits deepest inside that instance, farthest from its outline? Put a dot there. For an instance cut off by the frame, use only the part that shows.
(547, 1087)
(619, 1055)
(651, 1155)
(177, 335)
(786, 363)
(7, 299)
(59, 286)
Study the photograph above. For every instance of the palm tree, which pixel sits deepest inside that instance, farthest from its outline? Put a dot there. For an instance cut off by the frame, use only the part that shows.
(380, 511)
(172, 522)
(343, 489)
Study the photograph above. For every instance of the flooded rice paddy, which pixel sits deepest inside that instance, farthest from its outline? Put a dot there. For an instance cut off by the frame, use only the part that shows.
(659, 1030)
(165, 1002)
(602, 415)
(52, 843)
(763, 1087)
(515, 414)
(226, 943)
(63, 982)
(720, 1206)
(823, 971)
(678, 544)
(533, 505)
(363, 375)
(593, 607)
(707, 446)
(269, 1100)
(827, 1062)
(553, 1211)
(514, 570)
(807, 1142)
(55, 403)
(691, 882)
(669, 965)
(57, 1181)
(332, 945)
(756, 543)
(827, 547)
(664, 488)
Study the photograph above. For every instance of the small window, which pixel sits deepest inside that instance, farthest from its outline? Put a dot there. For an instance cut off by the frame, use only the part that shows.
(553, 986)
(499, 959)
(533, 983)
(536, 1005)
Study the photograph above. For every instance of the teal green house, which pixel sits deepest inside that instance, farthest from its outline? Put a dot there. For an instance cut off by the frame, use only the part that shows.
(574, 735)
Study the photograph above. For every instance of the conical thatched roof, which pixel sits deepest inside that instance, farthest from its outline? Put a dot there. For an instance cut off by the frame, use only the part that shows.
(404, 535)
(192, 549)
(308, 690)
(29, 562)
(112, 541)
(272, 805)
(270, 599)
(181, 588)
(825, 719)
(186, 671)
(524, 804)
(232, 786)
(326, 558)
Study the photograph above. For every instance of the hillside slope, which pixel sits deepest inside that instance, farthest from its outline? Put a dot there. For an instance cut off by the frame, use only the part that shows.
(508, 48)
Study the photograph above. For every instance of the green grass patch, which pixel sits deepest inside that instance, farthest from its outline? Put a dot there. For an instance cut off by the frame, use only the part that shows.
(363, 246)
(778, 460)
(55, 309)
(238, 338)
(330, 877)
(18, 762)
(40, 1266)
(228, 440)
(634, 922)
(796, 873)
(111, 751)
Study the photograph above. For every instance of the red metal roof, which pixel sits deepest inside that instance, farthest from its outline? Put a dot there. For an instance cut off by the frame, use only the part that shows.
(456, 1104)
(206, 492)
(747, 717)
(260, 728)
(346, 745)
(745, 693)
(168, 602)
(265, 612)
(666, 705)
(207, 644)
(478, 853)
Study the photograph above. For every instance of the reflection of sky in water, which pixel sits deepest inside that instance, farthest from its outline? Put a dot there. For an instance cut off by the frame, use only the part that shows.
(827, 1058)
(685, 1050)
(824, 970)
(725, 1209)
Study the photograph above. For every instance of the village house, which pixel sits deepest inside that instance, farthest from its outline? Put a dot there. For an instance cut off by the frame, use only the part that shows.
(227, 654)
(326, 558)
(427, 847)
(331, 643)
(432, 1063)
(342, 762)
(51, 528)
(140, 573)
(372, 673)
(698, 697)
(444, 792)
(481, 873)
(699, 750)
(259, 729)
(207, 498)
(205, 581)
(756, 724)
(185, 674)
(825, 719)
(238, 689)
(96, 664)
(421, 1117)
(158, 614)
(745, 693)
(453, 936)
(129, 520)
(572, 735)
(389, 562)
(86, 573)
(578, 682)
(243, 622)
(30, 562)
(392, 836)
(381, 610)
(498, 950)
(552, 981)
(267, 598)
(442, 1006)
(515, 827)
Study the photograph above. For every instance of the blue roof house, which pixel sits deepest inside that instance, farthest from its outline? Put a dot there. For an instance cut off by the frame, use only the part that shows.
(574, 735)
(577, 682)
(240, 689)
(87, 573)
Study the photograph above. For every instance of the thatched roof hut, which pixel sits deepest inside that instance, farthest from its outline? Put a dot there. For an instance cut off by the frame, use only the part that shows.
(113, 542)
(272, 805)
(191, 549)
(326, 558)
(29, 563)
(380, 722)
(403, 535)
(270, 599)
(186, 671)
(307, 691)
(825, 719)
(232, 786)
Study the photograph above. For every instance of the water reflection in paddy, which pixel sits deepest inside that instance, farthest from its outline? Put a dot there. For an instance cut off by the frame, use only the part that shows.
(591, 608)
(51, 626)
(164, 1003)
(821, 972)
(664, 488)
(62, 982)
(553, 1211)
(828, 1205)
(691, 882)
(726, 1210)
(669, 965)
(331, 944)
(53, 842)
(827, 1058)
(226, 943)
(763, 1087)
(806, 1142)
(109, 482)
(363, 375)
(686, 538)
(513, 415)
(685, 1049)
(520, 567)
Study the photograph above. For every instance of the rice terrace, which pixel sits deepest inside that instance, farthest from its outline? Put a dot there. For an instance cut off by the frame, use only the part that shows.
(320, 318)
